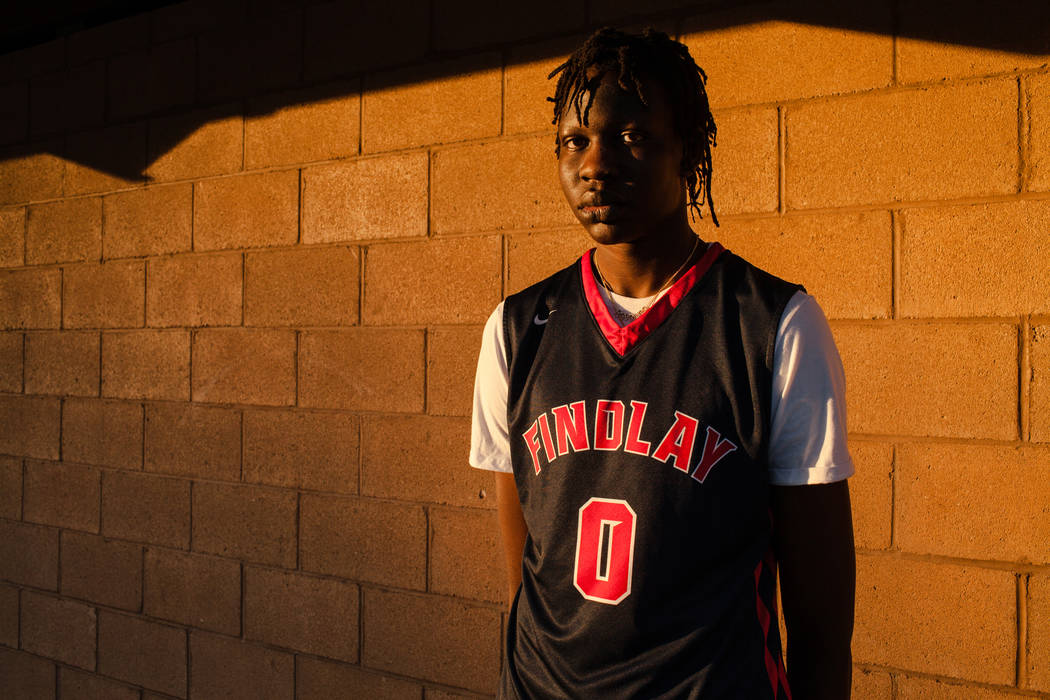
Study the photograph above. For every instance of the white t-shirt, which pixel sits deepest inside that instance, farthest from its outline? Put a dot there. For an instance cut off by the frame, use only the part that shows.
(807, 442)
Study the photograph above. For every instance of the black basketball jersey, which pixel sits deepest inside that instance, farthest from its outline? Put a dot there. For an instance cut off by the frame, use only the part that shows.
(639, 455)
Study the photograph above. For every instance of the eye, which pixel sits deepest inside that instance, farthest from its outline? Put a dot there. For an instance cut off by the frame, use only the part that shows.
(573, 143)
(632, 138)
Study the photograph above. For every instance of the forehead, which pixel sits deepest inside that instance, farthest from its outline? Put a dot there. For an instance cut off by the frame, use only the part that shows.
(613, 104)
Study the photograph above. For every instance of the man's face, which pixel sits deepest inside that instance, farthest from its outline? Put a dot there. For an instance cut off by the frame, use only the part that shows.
(621, 172)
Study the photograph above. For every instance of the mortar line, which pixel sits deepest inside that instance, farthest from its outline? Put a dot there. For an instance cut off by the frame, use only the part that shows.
(951, 682)
(360, 114)
(192, 335)
(193, 215)
(61, 414)
(19, 595)
(145, 270)
(244, 286)
(895, 47)
(99, 368)
(896, 241)
(781, 160)
(25, 238)
(750, 216)
(242, 606)
(102, 230)
(360, 452)
(893, 496)
(1012, 567)
(189, 545)
(61, 308)
(1024, 380)
(362, 252)
(58, 568)
(430, 192)
(503, 92)
(299, 217)
(855, 321)
(98, 636)
(101, 519)
(240, 454)
(1021, 678)
(504, 265)
(142, 588)
(426, 369)
(360, 623)
(1023, 134)
(189, 665)
(426, 550)
(142, 432)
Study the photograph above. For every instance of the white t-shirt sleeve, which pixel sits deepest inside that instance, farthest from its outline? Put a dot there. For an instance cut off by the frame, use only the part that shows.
(489, 442)
(807, 443)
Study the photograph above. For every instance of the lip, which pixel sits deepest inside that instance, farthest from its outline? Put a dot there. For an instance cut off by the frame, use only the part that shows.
(602, 213)
(600, 200)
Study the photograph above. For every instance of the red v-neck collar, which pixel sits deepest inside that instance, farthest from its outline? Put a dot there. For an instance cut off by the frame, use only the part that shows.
(623, 338)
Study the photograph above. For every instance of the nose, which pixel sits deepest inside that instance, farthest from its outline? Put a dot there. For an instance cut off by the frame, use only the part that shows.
(598, 162)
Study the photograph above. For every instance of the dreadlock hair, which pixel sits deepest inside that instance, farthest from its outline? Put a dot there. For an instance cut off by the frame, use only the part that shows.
(637, 59)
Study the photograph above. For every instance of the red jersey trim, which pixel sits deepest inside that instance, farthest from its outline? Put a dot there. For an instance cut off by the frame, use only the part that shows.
(765, 620)
(623, 338)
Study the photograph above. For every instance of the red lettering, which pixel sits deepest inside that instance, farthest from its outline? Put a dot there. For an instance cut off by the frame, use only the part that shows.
(571, 430)
(677, 444)
(534, 445)
(545, 433)
(604, 550)
(715, 448)
(634, 442)
(608, 434)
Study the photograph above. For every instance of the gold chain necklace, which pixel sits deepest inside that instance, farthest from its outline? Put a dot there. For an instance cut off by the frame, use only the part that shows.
(670, 280)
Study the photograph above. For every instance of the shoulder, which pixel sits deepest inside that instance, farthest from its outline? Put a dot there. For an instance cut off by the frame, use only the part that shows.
(750, 278)
(537, 300)
(803, 317)
(757, 296)
(538, 290)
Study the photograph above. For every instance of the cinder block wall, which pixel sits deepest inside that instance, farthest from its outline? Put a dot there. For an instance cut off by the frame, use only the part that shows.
(247, 252)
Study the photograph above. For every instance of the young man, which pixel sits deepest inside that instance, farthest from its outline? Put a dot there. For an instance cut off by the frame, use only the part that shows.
(667, 425)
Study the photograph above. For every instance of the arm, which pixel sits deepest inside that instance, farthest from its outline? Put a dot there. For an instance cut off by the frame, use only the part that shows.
(813, 539)
(490, 446)
(512, 529)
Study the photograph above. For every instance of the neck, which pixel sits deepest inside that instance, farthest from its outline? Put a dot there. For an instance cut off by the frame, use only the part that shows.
(643, 268)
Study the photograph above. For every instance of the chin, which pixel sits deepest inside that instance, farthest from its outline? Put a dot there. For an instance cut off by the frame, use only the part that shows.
(611, 233)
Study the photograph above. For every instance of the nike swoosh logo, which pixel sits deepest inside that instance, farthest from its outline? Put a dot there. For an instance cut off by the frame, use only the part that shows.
(540, 321)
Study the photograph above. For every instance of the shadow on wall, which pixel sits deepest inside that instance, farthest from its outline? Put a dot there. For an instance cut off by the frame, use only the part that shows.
(116, 97)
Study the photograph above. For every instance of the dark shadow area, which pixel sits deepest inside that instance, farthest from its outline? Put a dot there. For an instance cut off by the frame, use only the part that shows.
(189, 63)
(30, 23)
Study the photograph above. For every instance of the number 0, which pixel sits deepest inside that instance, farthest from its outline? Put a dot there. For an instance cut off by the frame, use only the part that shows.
(604, 550)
